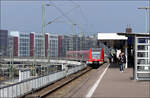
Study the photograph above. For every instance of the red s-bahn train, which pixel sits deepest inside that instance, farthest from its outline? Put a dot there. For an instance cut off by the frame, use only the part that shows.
(93, 57)
(96, 56)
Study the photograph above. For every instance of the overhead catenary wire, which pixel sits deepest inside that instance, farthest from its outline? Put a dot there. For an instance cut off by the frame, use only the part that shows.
(82, 15)
(71, 21)
(65, 16)
(81, 11)
(68, 12)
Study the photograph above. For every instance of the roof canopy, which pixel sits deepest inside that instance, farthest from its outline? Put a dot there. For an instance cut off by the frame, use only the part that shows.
(111, 36)
(135, 34)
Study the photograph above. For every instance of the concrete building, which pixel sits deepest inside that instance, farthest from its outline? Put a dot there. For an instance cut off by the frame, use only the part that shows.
(66, 45)
(60, 46)
(24, 44)
(19, 43)
(31, 44)
(75, 43)
(37, 44)
(13, 43)
(87, 42)
(3, 42)
(53, 45)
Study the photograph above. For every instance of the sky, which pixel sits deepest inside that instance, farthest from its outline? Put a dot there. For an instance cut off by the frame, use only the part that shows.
(73, 16)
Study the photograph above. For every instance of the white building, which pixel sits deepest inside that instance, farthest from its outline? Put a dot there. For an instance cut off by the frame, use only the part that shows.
(24, 44)
(31, 44)
(53, 45)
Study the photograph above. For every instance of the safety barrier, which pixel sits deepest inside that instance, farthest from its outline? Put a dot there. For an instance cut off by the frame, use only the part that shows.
(26, 86)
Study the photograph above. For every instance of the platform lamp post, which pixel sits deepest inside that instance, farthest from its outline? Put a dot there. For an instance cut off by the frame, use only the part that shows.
(146, 17)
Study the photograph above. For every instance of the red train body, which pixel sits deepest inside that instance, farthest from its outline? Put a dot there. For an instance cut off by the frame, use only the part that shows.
(77, 55)
(91, 56)
(96, 56)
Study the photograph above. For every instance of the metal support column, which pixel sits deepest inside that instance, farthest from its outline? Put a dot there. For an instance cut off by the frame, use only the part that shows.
(43, 28)
(135, 56)
(126, 54)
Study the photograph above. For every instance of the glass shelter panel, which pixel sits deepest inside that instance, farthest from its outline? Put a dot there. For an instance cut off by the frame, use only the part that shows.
(142, 47)
(142, 54)
(143, 40)
(143, 61)
(143, 68)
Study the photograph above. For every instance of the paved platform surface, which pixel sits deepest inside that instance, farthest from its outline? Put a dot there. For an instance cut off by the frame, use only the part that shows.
(118, 84)
(114, 84)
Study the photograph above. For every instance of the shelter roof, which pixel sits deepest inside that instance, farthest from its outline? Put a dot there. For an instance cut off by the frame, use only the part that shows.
(111, 36)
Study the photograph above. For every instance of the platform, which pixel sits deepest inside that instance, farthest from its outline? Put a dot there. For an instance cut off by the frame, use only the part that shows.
(120, 84)
(114, 84)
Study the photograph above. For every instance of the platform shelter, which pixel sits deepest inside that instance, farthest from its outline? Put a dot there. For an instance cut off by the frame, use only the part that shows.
(114, 41)
(141, 55)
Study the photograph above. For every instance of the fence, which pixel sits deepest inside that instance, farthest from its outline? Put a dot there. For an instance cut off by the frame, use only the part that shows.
(26, 86)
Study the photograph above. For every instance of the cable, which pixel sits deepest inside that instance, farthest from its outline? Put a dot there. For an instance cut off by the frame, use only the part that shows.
(61, 16)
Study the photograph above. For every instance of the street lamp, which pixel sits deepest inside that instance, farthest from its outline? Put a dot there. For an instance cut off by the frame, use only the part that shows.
(146, 17)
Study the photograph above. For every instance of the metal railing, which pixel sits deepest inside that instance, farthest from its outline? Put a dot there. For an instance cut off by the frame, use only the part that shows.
(27, 86)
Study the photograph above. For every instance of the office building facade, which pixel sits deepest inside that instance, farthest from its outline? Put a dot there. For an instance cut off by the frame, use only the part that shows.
(3, 42)
(75, 43)
(32, 44)
(48, 45)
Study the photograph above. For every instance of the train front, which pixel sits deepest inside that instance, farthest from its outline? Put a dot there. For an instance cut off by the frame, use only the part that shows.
(95, 56)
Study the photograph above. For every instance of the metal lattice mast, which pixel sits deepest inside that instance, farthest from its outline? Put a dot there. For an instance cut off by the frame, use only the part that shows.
(43, 28)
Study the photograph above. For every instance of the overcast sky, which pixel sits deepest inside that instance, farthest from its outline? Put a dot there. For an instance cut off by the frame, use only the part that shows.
(90, 16)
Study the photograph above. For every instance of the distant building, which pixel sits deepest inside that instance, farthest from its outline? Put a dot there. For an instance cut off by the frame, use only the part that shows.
(75, 43)
(37, 44)
(87, 42)
(53, 45)
(3, 42)
(31, 44)
(60, 46)
(67, 44)
(15, 44)
(24, 44)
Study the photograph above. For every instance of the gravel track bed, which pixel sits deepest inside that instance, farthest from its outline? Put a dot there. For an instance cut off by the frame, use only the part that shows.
(71, 88)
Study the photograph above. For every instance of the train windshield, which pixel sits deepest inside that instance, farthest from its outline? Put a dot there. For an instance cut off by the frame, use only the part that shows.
(96, 55)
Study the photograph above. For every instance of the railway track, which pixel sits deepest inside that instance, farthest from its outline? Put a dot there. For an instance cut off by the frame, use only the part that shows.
(51, 89)
(75, 86)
